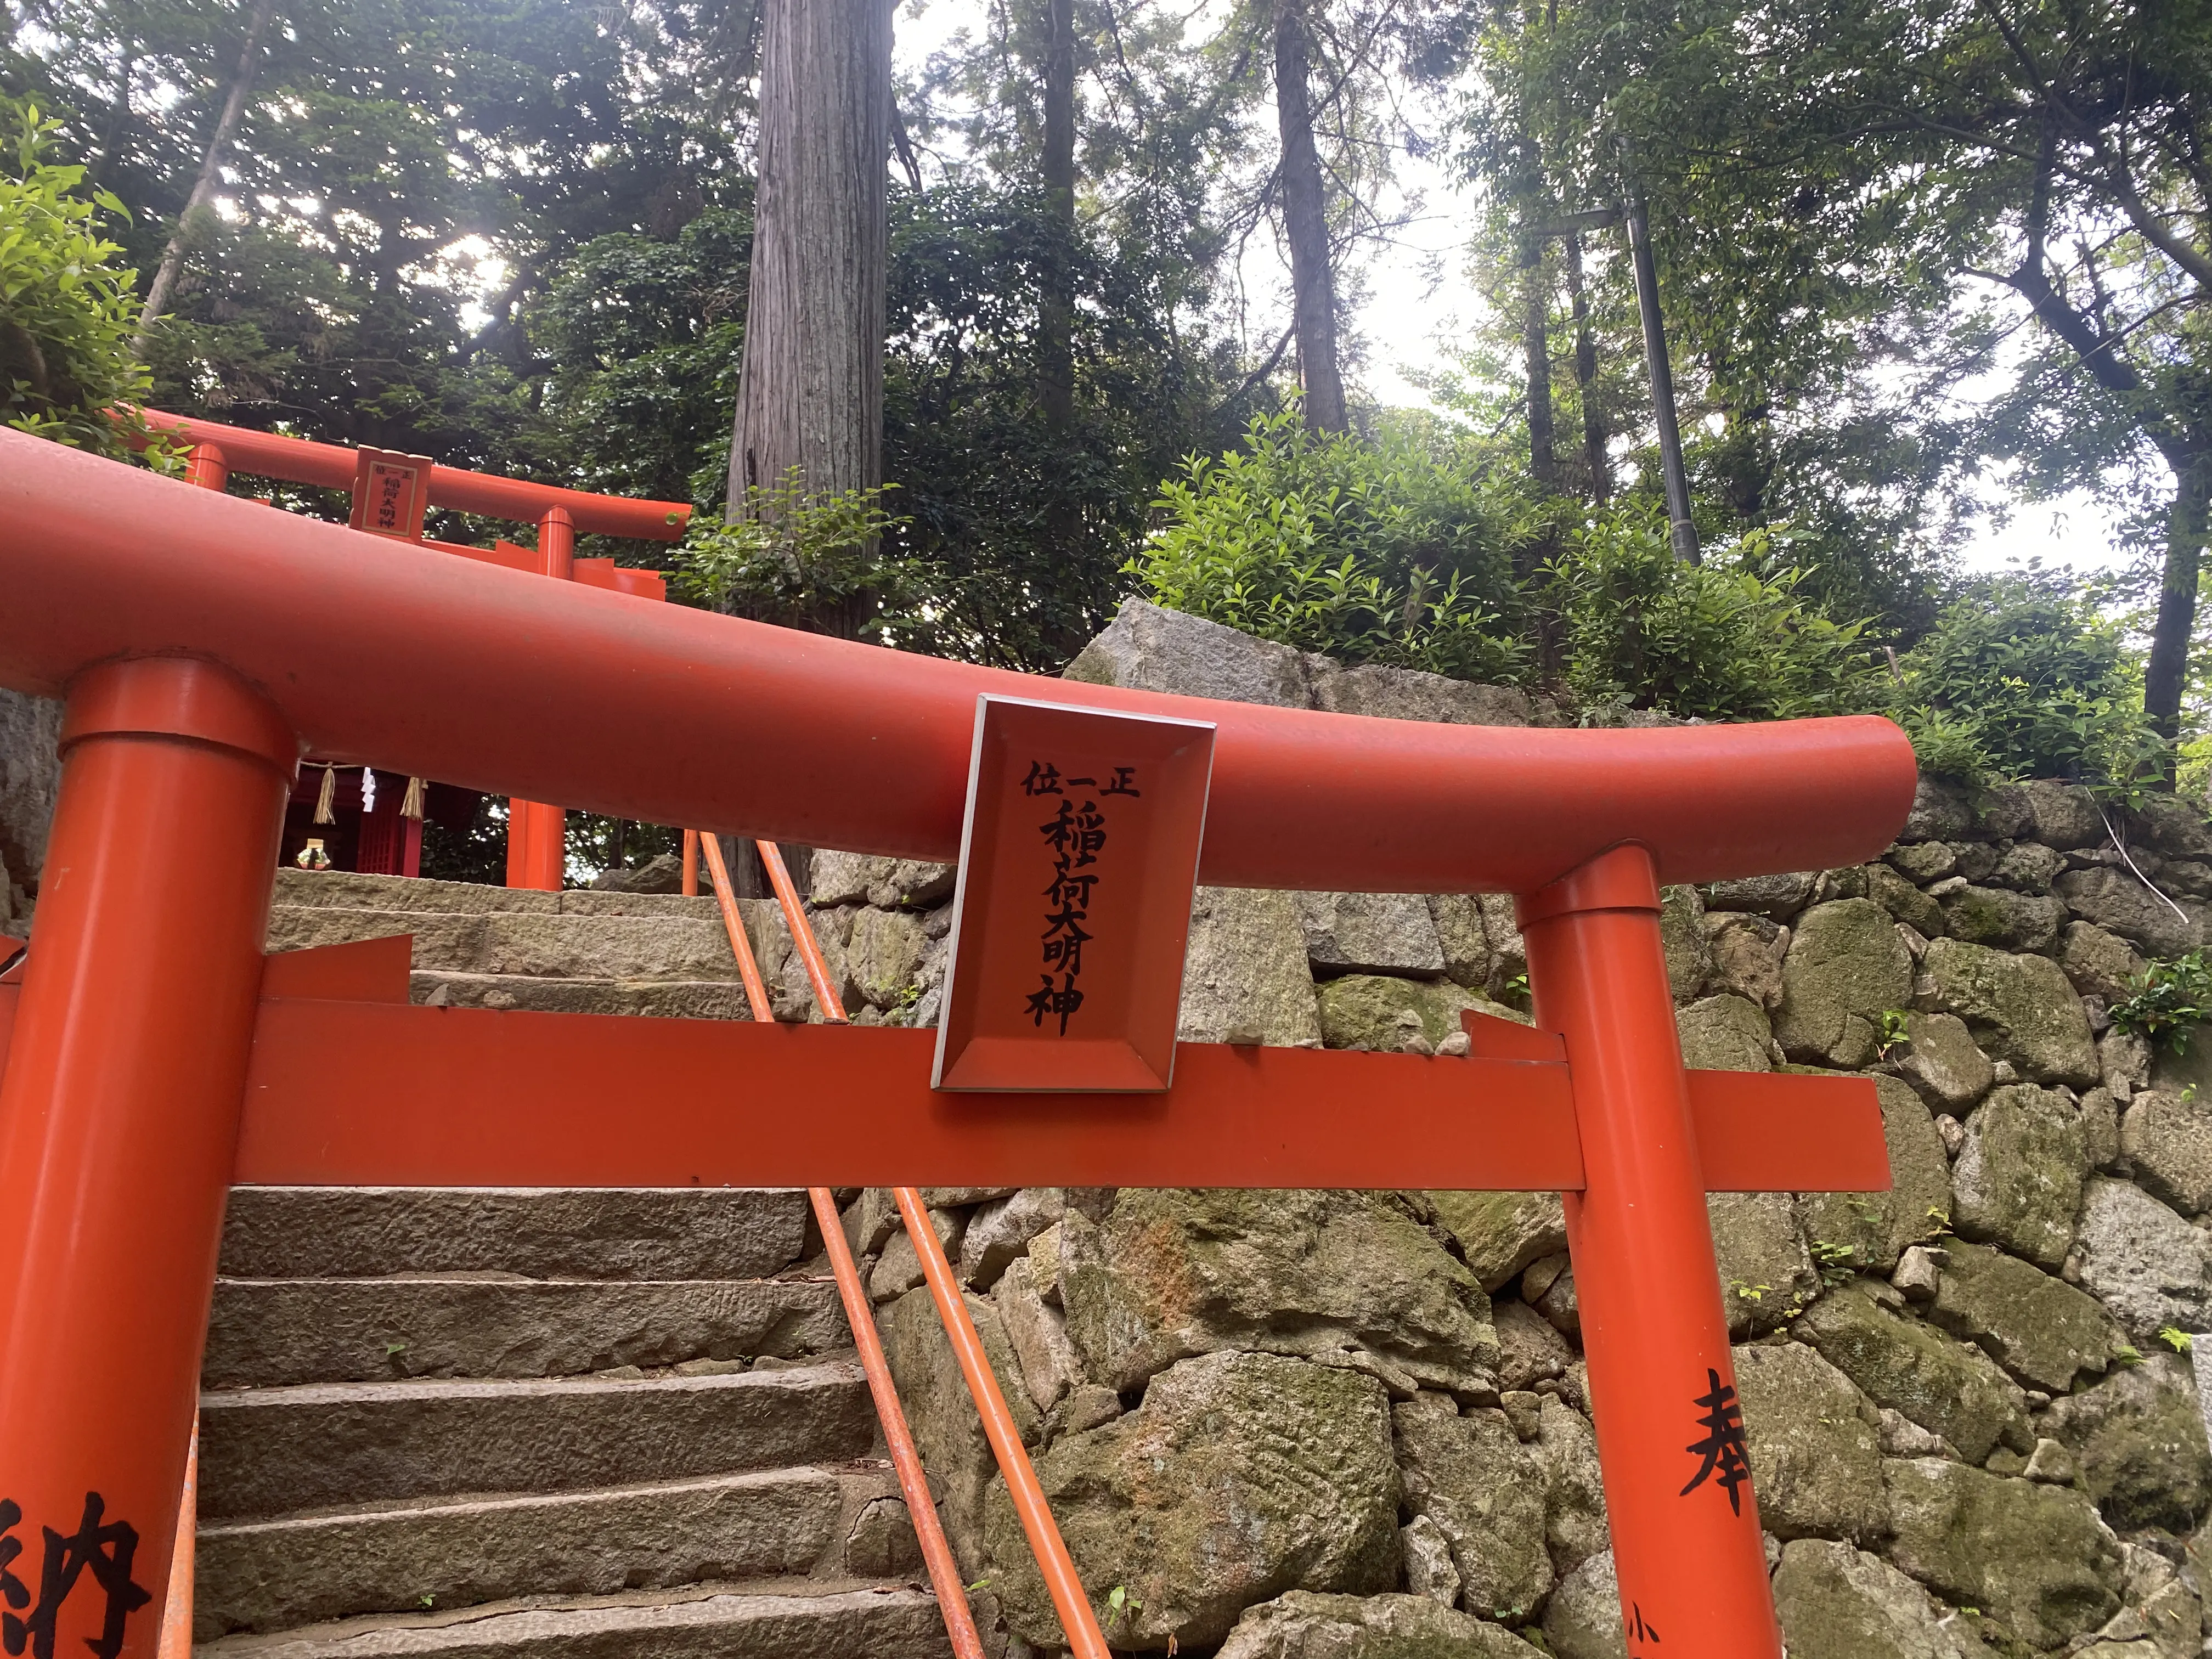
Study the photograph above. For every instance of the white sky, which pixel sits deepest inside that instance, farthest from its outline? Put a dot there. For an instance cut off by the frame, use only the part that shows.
(1407, 318)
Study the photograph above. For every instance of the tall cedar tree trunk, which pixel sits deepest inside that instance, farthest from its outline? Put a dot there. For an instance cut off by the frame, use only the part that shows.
(1594, 436)
(2187, 522)
(1056, 309)
(1536, 347)
(1063, 516)
(811, 393)
(1305, 221)
(234, 106)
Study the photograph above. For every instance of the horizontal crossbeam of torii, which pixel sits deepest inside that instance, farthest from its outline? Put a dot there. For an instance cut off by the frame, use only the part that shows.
(202, 641)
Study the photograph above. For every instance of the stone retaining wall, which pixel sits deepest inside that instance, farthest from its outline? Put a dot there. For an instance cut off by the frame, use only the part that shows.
(1292, 1424)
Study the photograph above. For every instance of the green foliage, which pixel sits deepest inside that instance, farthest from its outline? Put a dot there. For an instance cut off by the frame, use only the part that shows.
(67, 309)
(1729, 639)
(2167, 1001)
(2022, 678)
(1384, 552)
(801, 561)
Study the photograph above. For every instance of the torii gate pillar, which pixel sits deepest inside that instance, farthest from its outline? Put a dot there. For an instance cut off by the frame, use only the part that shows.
(1685, 1524)
(118, 1129)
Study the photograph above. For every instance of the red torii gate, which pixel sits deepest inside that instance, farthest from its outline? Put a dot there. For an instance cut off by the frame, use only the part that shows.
(152, 1058)
(536, 832)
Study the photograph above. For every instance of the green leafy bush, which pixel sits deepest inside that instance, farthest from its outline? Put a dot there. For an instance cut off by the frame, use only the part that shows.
(816, 562)
(67, 311)
(1729, 639)
(2167, 1001)
(2022, 679)
(1382, 552)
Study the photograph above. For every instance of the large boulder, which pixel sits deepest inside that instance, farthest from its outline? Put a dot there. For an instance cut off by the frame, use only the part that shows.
(1871, 1229)
(1147, 647)
(1844, 968)
(2035, 1558)
(1836, 1603)
(1582, 1619)
(2139, 1439)
(2018, 1179)
(941, 1413)
(2116, 902)
(1407, 694)
(1941, 1061)
(1000, 1231)
(1036, 1332)
(1463, 937)
(1304, 1625)
(1575, 1526)
(2040, 1329)
(1240, 1477)
(1766, 1273)
(1387, 1014)
(2020, 1008)
(882, 954)
(1776, 897)
(1530, 1349)
(1244, 976)
(1371, 933)
(1815, 1456)
(1746, 949)
(30, 781)
(1948, 1389)
(2061, 815)
(2000, 917)
(1485, 1492)
(1682, 934)
(1352, 1278)
(1725, 1033)
(1501, 1233)
(2145, 1264)
(2168, 1139)
(2099, 963)
(1905, 902)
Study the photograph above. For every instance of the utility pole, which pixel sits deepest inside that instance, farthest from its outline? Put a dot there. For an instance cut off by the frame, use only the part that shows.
(1683, 532)
(1680, 531)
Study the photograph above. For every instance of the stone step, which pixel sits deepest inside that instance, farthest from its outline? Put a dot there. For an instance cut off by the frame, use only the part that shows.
(610, 1233)
(557, 946)
(271, 1452)
(341, 890)
(273, 1574)
(659, 998)
(274, 1333)
(887, 1622)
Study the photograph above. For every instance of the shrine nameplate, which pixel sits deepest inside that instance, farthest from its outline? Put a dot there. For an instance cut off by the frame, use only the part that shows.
(390, 493)
(1078, 863)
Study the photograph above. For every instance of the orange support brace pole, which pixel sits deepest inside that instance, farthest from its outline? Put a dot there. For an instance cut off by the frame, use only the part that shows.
(1077, 1622)
(177, 1611)
(1686, 1536)
(741, 946)
(690, 864)
(802, 935)
(936, 1554)
(119, 1121)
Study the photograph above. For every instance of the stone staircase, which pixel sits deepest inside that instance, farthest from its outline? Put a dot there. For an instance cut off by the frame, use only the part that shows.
(547, 1424)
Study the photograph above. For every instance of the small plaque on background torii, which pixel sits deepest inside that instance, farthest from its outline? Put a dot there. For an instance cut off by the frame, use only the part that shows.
(1077, 862)
(390, 493)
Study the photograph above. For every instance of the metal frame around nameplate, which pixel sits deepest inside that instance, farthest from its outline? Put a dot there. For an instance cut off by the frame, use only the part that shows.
(1078, 862)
